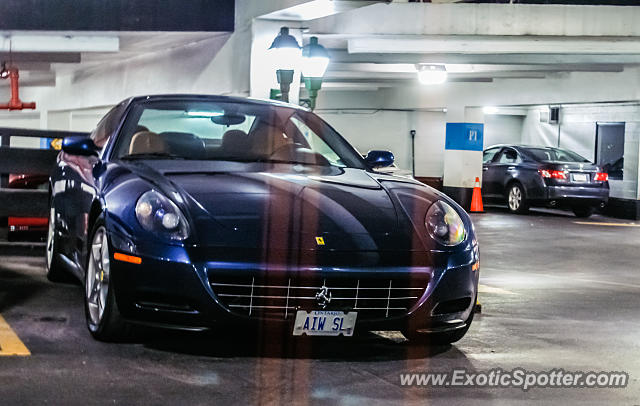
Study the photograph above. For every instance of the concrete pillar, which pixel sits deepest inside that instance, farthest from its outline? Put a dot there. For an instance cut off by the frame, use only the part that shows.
(463, 152)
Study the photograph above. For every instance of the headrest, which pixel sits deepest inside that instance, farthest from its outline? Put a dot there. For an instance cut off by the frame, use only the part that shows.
(147, 142)
(266, 139)
(184, 144)
(235, 141)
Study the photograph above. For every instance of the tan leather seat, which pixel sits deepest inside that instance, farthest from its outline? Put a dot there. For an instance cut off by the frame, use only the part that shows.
(267, 139)
(147, 142)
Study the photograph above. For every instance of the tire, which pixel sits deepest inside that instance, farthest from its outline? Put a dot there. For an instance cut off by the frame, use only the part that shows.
(516, 200)
(101, 310)
(445, 338)
(55, 269)
(583, 212)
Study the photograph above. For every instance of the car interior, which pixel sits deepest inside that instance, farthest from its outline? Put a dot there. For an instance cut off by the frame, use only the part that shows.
(263, 141)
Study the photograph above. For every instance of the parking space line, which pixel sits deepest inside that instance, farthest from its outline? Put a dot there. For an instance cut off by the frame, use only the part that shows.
(491, 289)
(10, 343)
(595, 223)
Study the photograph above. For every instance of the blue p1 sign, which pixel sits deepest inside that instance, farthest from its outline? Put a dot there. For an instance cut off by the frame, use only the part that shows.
(464, 136)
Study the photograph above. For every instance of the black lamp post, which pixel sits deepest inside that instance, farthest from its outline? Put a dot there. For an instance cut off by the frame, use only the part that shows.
(285, 51)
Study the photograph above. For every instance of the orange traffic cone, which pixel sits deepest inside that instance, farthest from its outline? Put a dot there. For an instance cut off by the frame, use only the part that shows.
(476, 199)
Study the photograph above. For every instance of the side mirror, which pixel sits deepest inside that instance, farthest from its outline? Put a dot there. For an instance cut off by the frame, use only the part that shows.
(379, 159)
(79, 145)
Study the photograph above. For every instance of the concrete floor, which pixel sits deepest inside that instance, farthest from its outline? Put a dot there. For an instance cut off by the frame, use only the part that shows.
(555, 294)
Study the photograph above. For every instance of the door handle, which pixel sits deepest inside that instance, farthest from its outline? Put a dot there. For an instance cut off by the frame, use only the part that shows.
(511, 168)
(484, 168)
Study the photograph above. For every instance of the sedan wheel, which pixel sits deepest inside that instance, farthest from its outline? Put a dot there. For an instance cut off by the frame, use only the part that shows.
(103, 317)
(516, 200)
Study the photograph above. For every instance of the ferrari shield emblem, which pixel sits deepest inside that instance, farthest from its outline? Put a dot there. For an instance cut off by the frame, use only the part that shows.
(319, 240)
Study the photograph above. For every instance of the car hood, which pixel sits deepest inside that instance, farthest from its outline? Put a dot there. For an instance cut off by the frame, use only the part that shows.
(282, 207)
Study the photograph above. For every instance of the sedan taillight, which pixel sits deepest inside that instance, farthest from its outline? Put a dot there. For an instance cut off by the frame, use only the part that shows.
(548, 173)
(601, 177)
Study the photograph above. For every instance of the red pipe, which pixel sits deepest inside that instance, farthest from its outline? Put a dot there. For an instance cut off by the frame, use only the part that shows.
(15, 103)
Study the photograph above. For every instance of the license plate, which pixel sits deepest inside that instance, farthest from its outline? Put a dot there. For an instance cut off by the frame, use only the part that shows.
(580, 177)
(324, 323)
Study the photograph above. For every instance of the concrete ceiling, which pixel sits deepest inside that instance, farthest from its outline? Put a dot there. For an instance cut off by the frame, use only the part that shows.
(378, 45)
(41, 56)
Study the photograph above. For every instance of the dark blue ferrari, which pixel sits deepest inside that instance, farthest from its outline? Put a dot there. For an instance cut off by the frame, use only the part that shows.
(197, 212)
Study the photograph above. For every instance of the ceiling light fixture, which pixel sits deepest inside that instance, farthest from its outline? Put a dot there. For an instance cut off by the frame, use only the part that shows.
(431, 74)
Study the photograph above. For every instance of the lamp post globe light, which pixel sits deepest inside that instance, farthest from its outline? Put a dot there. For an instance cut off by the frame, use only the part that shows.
(315, 60)
(285, 52)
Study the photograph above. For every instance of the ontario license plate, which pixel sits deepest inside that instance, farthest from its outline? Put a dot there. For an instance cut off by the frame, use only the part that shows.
(324, 323)
(580, 177)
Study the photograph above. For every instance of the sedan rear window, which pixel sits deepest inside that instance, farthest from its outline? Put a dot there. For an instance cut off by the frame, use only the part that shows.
(554, 155)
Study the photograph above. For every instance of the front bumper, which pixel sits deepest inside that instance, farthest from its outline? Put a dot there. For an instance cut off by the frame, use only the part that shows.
(168, 290)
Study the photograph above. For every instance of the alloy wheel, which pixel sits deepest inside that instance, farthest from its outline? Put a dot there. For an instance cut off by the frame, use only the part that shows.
(51, 237)
(97, 279)
(515, 198)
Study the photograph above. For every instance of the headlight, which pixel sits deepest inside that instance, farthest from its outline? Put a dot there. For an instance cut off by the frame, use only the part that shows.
(444, 224)
(159, 215)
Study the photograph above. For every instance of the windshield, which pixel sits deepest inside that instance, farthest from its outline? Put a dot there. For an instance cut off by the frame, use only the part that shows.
(232, 131)
(555, 155)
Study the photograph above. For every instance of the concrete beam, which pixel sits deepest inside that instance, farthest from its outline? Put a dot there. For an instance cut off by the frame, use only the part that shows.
(342, 56)
(59, 43)
(315, 9)
(30, 66)
(472, 68)
(52, 57)
(458, 77)
(411, 44)
(483, 19)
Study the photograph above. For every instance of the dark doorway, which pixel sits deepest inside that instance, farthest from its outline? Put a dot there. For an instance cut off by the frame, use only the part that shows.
(610, 148)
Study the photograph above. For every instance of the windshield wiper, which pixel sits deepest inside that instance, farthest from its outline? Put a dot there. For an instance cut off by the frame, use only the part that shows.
(153, 155)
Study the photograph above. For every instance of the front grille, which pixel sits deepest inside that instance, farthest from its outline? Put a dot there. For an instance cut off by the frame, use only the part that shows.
(259, 297)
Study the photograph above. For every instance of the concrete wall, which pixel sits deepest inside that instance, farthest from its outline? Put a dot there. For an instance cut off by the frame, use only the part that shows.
(380, 129)
(502, 129)
(375, 129)
(24, 119)
(390, 130)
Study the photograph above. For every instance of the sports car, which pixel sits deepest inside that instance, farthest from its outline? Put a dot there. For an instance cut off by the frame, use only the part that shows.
(207, 212)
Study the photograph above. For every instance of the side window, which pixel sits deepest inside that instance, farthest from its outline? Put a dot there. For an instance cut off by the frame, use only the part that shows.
(105, 128)
(489, 154)
(509, 156)
(316, 143)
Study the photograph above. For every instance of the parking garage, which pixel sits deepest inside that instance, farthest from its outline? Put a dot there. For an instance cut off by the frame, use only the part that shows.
(319, 201)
